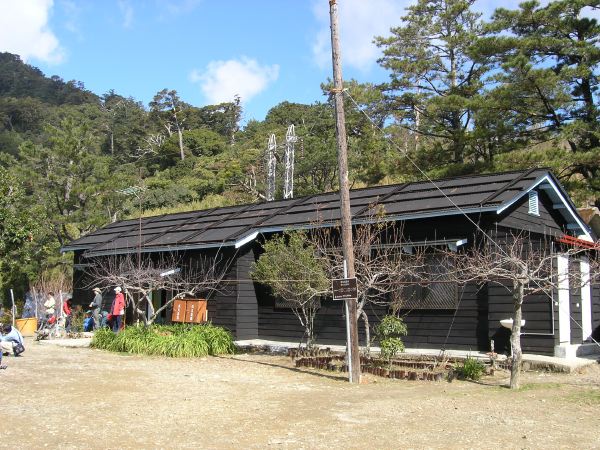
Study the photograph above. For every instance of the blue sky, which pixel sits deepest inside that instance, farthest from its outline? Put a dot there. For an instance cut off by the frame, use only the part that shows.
(267, 51)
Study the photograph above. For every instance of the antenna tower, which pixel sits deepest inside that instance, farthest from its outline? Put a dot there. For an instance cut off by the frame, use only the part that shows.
(271, 166)
(290, 140)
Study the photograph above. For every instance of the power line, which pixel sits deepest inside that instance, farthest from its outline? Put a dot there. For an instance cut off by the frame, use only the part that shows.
(435, 185)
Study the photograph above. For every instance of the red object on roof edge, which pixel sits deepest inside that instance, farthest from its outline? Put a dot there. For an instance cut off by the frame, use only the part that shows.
(570, 240)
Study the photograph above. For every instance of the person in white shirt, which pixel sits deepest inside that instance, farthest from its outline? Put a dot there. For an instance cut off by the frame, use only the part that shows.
(50, 305)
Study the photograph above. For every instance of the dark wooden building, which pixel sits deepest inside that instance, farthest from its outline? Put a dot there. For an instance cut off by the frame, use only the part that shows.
(447, 212)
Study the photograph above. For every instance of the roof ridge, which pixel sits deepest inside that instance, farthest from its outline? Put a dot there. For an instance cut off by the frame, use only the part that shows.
(507, 185)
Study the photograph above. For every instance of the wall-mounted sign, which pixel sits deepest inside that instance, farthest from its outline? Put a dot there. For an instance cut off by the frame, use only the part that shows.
(189, 311)
(344, 289)
(178, 314)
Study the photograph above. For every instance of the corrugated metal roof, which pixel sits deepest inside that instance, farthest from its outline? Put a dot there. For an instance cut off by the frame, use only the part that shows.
(226, 226)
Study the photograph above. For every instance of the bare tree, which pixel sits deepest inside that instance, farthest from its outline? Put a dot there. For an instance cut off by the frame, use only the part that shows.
(167, 104)
(139, 276)
(293, 270)
(152, 145)
(384, 261)
(525, 263)
(248, 184)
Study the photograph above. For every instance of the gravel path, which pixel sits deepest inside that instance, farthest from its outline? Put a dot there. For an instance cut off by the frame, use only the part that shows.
(82, 398)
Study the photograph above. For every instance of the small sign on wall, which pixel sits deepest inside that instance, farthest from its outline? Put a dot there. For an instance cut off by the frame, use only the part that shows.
(190, 311)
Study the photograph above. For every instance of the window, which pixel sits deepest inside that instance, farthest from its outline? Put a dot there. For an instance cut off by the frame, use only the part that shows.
(442, 294)
(534, 207)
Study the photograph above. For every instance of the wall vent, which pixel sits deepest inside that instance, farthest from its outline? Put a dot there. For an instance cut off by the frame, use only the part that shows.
(534, 206)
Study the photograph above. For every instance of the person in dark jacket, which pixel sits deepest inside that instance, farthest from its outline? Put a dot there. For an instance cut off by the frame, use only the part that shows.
(96, 306)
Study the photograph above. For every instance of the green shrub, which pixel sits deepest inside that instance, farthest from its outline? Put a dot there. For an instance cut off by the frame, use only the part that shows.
(179, 341)
(389, 331)
(471, 369)
(77, 319)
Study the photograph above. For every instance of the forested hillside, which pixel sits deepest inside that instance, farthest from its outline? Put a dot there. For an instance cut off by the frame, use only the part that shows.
(464, 96)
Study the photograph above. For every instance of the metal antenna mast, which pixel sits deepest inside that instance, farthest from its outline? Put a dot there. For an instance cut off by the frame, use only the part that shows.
(271, 166)
(290, 140)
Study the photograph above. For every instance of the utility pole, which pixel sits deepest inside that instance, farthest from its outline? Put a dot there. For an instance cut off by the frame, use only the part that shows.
(348, 247)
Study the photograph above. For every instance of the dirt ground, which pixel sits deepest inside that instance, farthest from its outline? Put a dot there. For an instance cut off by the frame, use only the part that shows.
(82, 398)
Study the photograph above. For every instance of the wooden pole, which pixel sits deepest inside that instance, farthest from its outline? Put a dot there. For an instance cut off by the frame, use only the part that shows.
(13, 310)
(348, 247)
(35, 300)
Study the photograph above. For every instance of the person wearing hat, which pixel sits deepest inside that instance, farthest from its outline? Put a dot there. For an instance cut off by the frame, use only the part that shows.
(96, 306)
(118, 309)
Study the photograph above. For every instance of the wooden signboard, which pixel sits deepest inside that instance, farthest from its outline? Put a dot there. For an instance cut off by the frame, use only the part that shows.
(179, 307)
(189, 311)
(196, 311)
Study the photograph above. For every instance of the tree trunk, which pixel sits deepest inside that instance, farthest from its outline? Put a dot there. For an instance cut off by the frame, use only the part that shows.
(515, 337)
(310, 331)
(365, 318)
(181, 152)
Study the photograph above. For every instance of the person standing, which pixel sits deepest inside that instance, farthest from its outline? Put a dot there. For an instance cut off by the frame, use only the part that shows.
(50, 304)
(118, 309)
(96, 306)
(68, 314)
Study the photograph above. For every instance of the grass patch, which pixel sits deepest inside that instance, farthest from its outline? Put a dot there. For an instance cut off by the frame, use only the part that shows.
(538, 386)
(176, 341)
(587, 397)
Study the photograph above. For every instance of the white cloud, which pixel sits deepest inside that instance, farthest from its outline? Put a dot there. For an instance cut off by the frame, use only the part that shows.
(126, 9)
(24, 30)
(359, 22)
(222, 80)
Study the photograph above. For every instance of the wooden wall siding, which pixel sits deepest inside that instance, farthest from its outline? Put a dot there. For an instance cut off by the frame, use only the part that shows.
(575, 304)
(548, 222)
(80, 294)
(596, 312)
(426, 328)
(330, 325)
(434, 329)
(556, 308)
(537, 312)
(222, 306)
(246, 306)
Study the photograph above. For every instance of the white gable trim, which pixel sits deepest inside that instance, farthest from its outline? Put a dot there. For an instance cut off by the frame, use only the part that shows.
(246, 239)
(563, 202)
